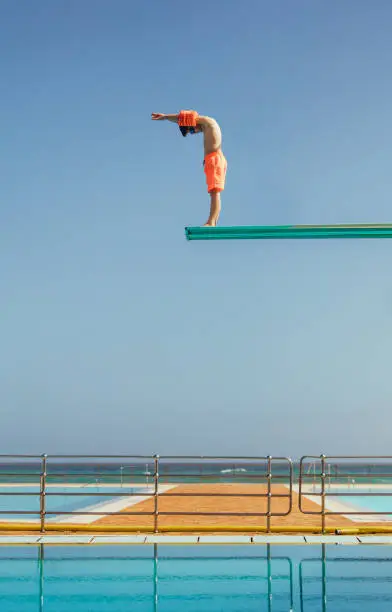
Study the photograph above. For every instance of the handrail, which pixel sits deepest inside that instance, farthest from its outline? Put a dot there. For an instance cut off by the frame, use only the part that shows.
(323, 494)
(139, 478)
(111, 471)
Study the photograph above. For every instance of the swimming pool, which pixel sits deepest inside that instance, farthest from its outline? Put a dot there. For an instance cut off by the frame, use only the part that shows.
(366, 503)
(25, 499)
(162, 578)
(380, 500)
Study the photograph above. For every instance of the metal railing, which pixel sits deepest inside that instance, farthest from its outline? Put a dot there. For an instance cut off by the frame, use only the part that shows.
(262, 477)
(335, 482)
(53, 490)
(63, 477)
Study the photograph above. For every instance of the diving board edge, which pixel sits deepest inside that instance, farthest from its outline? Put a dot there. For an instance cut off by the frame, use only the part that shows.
(265, 232)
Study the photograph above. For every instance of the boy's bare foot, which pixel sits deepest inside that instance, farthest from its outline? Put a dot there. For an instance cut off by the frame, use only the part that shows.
(209, 224)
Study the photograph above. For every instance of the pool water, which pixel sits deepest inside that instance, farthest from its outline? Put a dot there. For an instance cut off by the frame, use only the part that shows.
(367, 503)
(147, 578)
(363, 502)
(20, 499)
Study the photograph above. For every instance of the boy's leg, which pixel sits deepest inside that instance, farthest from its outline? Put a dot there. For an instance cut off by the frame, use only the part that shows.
(215, 208)
(215, 167)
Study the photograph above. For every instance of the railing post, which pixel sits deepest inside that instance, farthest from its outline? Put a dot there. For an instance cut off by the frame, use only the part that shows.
(42, 493)
(156, 491)
(299, 484)
(291, 485)
(269, 476)
(323, 475)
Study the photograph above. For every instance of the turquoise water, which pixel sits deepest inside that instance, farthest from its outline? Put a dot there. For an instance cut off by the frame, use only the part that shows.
(60, 502)
(196, 579)
(363, 502)
(366, 503)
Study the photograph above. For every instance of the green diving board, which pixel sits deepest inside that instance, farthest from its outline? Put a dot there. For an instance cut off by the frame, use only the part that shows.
(265, 232)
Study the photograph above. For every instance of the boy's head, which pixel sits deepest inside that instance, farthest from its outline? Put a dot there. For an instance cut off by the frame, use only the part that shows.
(185, 129)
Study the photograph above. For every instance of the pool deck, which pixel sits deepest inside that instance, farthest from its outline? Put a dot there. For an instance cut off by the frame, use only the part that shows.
(224, 499)
(139, 539)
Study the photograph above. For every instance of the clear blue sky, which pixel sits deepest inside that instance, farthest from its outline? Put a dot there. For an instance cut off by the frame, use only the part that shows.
(116, 335)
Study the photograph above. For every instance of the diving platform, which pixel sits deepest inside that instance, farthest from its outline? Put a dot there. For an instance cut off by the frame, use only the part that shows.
(268, 232)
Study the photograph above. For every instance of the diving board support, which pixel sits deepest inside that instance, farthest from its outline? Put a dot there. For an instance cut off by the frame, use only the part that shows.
(268, 232)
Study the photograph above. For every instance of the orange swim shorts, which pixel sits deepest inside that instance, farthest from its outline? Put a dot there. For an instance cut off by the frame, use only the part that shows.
(215, 166)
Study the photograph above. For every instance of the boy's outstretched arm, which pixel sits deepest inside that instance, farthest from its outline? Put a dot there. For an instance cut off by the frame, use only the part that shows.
(162, 117)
